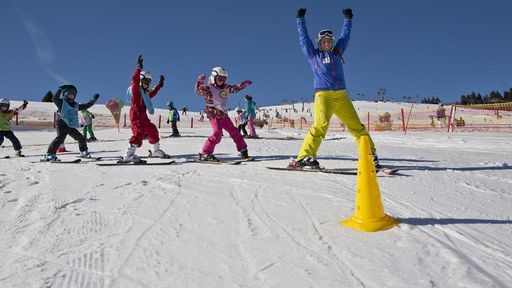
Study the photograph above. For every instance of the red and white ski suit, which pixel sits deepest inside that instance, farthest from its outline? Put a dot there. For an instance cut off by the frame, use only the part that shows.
(140, 123)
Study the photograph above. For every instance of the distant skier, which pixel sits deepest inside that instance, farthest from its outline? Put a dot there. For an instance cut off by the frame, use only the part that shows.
(173, 118)
(216, 100)
(6, 116)
(140, 95)
(329, 83)
(251, 115)
(242, 121)
(67, 122)
(87, 117)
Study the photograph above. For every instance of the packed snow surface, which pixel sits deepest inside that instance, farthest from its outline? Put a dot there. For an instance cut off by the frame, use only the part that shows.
(200, 225)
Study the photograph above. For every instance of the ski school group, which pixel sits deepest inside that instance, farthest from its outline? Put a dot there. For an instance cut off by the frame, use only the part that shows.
(326, 61)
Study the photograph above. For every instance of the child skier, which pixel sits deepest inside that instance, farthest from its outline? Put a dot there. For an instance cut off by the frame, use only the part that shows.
(242, 121)
(87, 117)
(6, 116)
(216, 99)
(174, 117)
(251, 115)
(329, 82)
(67, 122)
(140, 95)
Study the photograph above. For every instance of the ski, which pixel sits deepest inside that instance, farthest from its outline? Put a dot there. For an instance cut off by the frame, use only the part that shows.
(9, 157)
(235, 162)
(103, 158)
(76, 161)
(342, 171)
(388, 171)
(141, 163)
(150, 155)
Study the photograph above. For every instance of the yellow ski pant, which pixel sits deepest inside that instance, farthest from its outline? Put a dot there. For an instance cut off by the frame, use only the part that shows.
(328, 103)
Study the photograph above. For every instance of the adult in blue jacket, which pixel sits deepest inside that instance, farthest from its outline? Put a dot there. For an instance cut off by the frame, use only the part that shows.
(331, 97)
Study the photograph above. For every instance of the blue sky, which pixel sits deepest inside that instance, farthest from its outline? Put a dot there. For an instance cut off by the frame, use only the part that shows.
(412, 48)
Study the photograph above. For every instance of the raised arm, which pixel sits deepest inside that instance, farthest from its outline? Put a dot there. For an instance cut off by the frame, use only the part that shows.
(158, 86)
(305, 42)
(342, 42)
(237, 87)
(201, 90)
(89, 104)
(56, 97)
(136, 97)
(21, 108)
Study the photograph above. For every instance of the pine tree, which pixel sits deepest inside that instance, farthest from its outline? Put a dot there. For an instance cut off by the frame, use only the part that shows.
(48, 97)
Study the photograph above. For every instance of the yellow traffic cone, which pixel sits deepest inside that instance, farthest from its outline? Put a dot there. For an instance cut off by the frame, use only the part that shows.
(369, 213)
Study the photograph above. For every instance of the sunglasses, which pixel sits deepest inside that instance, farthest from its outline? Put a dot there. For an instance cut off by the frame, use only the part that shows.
(326, 33)
(221, 78)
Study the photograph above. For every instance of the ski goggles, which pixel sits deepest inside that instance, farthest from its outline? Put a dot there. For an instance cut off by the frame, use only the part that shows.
(145, 81)
(325, 33)
(221, 78)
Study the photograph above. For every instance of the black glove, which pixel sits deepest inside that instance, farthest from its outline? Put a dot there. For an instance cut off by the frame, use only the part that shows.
(92, 116)
(301, 12)
(167, 121)
(25, 103)
(161, 80)
(139, 62)
(348, 13)
(82, 125)
(96, 96)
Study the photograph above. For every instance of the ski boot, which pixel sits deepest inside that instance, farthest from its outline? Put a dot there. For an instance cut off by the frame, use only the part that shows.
(245, 155)
(208, 158)
(305, 163)
(85, 154)
(18, 154)
(157, 152)
(376, 161)
(49, 157)
(92, 139)
(130, 155)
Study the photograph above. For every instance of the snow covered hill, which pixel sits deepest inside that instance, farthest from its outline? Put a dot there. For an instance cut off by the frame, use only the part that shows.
(198, 225)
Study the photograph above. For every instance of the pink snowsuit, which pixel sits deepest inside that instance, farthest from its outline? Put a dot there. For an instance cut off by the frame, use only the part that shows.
(216, 99)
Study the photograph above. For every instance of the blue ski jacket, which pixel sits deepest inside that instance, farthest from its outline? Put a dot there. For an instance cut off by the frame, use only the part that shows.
(249, 108)
(327, 66)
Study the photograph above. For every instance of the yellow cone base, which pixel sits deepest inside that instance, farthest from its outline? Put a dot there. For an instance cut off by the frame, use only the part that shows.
(370, 225)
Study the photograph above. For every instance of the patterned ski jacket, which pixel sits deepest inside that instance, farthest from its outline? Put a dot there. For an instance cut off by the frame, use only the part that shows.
(216, 98)
(327, 66)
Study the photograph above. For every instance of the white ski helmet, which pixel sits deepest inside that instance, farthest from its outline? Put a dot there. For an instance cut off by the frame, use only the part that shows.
(217, 71)
(145, 75)
(5, 103)
(325, 33)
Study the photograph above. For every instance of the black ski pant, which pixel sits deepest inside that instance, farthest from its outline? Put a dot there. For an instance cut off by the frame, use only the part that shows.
(175, 128)
(62, 131)
(10, 135)
(241, 127)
